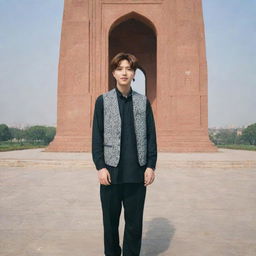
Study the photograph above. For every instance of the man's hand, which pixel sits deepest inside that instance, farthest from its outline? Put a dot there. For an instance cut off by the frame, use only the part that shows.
(104, 176)
(149, 176)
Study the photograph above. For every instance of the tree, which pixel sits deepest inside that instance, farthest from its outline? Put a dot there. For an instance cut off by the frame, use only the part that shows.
(249, 134)
(35, 133)
(40, 133)
(4, 132)
(17, 133)
(225, 136)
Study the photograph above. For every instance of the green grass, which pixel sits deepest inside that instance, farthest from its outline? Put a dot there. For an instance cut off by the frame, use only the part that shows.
(238, 146)
(8, 146)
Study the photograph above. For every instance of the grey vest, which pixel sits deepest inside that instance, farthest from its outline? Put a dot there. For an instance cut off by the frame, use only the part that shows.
(112, 127)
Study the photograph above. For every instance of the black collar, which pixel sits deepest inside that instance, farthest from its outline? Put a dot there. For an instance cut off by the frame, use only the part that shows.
(121, 95)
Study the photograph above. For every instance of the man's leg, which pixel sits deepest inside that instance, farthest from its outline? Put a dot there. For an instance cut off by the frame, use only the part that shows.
(111, 197)
(133, 200)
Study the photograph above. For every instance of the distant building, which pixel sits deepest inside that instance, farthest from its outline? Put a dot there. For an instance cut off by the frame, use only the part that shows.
(239, 132)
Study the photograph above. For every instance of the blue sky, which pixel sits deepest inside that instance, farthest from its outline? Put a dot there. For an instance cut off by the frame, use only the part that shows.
(29, 51)
(230, 28)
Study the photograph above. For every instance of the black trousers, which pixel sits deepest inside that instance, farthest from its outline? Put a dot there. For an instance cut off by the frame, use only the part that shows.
(132, 196)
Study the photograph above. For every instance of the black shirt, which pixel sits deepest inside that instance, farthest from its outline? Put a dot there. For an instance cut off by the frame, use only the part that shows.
(128, 169)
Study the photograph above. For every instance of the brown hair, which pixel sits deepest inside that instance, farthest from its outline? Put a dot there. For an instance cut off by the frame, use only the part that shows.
(124, 56)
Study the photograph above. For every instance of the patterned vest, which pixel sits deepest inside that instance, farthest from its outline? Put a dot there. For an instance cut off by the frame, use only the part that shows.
(112, 127)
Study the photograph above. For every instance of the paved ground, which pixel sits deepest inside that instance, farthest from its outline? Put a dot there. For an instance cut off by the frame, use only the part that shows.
(224, 158)
(54, 209)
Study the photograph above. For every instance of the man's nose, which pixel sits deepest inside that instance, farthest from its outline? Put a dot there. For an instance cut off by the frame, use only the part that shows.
(124, 71)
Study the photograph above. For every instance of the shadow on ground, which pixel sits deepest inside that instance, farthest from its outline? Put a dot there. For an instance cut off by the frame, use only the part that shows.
(158, 237)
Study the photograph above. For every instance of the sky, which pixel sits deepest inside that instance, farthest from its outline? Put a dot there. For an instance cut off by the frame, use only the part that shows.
(29, 54)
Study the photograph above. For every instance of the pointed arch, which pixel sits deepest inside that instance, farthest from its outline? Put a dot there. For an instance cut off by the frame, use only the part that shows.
(135, 34)
(136, 16)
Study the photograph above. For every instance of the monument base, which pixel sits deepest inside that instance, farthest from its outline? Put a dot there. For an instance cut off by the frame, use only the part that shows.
(70, 144)
(165, 143)
(185, 144)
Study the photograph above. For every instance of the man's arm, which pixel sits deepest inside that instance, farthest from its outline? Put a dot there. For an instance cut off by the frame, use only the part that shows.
(97, 135)
(149, 174)
(97, 143)
(151, 138)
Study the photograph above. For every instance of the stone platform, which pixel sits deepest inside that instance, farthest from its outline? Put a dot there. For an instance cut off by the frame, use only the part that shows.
(50, 205)
(224, 158)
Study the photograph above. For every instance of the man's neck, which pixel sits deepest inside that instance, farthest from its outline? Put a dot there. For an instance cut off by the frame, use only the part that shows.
(124, 89)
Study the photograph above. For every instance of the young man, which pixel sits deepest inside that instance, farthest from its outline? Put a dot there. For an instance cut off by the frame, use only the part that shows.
(124, 151)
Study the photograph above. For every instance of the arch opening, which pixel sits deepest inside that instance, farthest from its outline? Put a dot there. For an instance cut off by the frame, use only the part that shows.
(135, 34)
(139, 85)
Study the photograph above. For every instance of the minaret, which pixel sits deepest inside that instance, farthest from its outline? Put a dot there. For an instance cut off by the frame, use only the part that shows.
(168, 38)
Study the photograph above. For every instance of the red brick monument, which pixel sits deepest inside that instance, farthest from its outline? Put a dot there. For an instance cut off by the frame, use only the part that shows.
(168, 38)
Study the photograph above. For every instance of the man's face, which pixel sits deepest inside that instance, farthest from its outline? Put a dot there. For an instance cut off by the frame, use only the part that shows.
(123, 73)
